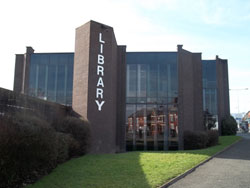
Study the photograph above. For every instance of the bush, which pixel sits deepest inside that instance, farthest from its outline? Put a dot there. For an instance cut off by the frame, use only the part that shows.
(66, 147)
(30, 147)
(27, 149)
(78, 129)
(228, 126)
(213, 138)
(195, 140)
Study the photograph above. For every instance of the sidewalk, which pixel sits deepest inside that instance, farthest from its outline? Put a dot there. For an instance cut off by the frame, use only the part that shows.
(228, 169)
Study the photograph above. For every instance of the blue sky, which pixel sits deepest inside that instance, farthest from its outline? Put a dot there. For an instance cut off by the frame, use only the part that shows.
(209, 26)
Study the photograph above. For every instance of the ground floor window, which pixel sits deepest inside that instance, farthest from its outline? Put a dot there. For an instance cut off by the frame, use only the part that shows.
(210, 108)
(210, 120)
(151, 127)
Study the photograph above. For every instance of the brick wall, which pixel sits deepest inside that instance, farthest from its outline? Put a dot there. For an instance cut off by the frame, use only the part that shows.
(11, 101)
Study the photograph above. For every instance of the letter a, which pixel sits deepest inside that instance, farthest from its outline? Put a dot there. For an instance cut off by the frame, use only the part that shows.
(100, 82)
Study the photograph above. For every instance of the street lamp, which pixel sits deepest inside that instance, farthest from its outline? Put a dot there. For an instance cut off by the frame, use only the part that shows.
(241, 89)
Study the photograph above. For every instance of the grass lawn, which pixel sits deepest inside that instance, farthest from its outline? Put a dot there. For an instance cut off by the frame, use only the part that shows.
(128, 170)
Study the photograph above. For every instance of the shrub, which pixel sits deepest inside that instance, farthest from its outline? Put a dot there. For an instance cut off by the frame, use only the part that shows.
(27, 149)
(66, 146)
(62, 147)
(213, 138)
(195, 140)
(228, 126)
(30, 147)
(78, 129)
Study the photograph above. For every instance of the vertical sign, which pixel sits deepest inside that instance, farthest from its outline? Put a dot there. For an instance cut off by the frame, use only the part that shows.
(100, 73)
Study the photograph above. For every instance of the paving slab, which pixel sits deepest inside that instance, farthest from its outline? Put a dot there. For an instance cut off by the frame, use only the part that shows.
(231, 168)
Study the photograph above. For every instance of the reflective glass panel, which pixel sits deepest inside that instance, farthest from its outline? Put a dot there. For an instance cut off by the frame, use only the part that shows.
(152, 83)
(210, 104)
(51, 77)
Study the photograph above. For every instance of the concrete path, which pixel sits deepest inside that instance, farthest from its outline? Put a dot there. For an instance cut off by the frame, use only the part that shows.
(228, 169)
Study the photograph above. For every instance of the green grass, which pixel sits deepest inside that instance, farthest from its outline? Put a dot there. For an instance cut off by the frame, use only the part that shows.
(128, 170)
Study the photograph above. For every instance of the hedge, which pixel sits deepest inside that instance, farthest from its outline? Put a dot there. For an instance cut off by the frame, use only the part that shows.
(200, 139)
(30, 147)
(27, 149)
(228, 126)
(78, 129)
(213, 138)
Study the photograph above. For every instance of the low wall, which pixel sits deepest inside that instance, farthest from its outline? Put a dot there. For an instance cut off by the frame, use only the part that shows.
(11, 102)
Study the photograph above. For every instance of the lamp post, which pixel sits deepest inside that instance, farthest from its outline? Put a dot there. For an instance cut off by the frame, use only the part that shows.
(241, 89)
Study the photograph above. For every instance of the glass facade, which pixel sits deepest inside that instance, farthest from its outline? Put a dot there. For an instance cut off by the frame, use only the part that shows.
(151, 100)
(51, 77)
(210, 94)
(151, 93)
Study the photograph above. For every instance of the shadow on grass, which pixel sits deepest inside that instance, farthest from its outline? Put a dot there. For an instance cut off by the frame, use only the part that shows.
(126, 170)
(97, 171)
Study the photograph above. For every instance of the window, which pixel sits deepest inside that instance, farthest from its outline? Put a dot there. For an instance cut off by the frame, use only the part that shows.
(51, 77)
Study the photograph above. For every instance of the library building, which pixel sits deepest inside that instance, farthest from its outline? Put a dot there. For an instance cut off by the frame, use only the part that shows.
(133, 100)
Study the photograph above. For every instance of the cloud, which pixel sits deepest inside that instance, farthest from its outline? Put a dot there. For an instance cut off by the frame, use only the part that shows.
(210, 12)
(239, 96)
(242, 76)
(156, 4)
(215, 12)
(246, 17)
(49, 26)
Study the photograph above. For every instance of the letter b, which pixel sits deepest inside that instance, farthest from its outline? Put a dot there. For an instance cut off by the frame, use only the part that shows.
(100, 59)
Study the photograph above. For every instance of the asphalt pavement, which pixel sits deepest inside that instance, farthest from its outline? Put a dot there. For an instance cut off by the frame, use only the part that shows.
(229, 169)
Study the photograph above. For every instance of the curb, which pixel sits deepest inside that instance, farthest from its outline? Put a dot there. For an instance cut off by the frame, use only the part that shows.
(174, 180)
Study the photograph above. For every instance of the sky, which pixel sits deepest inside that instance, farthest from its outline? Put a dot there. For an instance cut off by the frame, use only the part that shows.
(209, 26)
